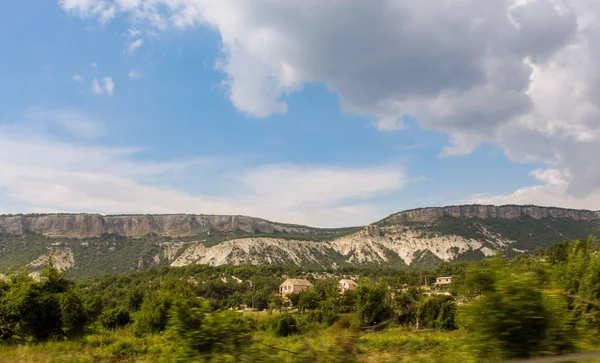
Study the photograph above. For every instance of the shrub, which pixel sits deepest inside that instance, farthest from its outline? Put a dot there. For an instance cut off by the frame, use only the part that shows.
(201, 333)
(438, 312)
(372, 303)
(516, 319)
(114, 318)
(282, 325)
(74, 316)
(153, 316)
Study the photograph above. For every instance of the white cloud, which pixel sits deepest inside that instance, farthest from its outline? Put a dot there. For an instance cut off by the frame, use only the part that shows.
(132, 32)
(96, 86)
(553, 191)
(520, 74)
(78, 78)
(104, 10)
(134, 45)
(296, 186)
(543, 195)
(133, 74)
(109, 85)
(76, 122)
(94, 65)
(40, 173)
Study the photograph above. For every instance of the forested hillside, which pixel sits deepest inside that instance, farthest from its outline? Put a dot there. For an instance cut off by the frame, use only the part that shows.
(543, 304)
(424, 237)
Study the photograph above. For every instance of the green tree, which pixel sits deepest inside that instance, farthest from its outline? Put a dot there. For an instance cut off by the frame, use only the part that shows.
(277, 303)
(31, 310)
(282, 325)
(308, 300)
(114, 318)
(73, 313)
(405, 305)
(201, 333)
(372, 302)
(327, 313)
(437, 312)
(515, 318)
(153, 315)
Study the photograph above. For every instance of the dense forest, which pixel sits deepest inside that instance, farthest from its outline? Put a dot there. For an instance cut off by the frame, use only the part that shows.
(544, 303)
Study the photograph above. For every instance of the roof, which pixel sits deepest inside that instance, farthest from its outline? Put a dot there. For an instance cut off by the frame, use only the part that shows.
(444, 277)
(350, 282)
(297, 282)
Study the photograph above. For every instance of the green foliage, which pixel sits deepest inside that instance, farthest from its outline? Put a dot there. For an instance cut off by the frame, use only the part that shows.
(527, 232)
(406, 304)
(282, 325)
(515, 318)
(201, 333)
(277, 303)
(73, 314)
(114, 318)
(307, 300)
(153, 314)
(544, 303)
(372, 302)
(36, 311)
(327, 313)
(437, 312)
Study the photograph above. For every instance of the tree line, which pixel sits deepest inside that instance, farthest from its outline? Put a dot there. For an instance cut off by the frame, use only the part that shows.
(544, 303)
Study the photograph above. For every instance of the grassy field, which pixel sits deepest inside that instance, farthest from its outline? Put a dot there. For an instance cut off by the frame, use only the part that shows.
(392, 345)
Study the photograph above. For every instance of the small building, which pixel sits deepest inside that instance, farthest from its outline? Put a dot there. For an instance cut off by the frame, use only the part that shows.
(291, 286)
(348, 285)
(443, 281)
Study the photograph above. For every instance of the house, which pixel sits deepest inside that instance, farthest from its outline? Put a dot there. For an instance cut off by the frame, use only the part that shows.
(291, 286)
(346, 285)
(442, 281)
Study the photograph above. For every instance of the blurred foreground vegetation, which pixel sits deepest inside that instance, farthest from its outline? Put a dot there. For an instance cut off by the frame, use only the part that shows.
(546, 303)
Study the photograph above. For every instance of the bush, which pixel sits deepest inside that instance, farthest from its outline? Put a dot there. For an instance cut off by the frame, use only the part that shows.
(200, 333)
(114, 318)
(282, 325)
(327, 313)
(516, 319)
(32, 311)
(74, 316)
(438, 312)
(153, 316)
(372, 303)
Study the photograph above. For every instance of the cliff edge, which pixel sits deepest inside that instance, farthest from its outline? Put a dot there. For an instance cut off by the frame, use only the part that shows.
(428, 215)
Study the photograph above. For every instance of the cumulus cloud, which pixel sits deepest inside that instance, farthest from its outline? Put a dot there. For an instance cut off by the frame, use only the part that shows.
(42, 173)
(96, 86)
(134, 45)
(519, 74)
(78, 77)
(552, 191)
(133, 74)
(109, 85)
(73, 121)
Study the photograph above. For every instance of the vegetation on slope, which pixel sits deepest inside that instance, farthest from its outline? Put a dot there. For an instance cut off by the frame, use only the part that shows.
(545, 303)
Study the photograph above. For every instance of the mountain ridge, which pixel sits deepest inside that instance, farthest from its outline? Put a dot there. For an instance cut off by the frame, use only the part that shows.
(90, 225)
(508, 211)
(91, 245)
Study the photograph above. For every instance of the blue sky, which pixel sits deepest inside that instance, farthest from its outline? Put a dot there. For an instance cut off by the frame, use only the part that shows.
(148, 107)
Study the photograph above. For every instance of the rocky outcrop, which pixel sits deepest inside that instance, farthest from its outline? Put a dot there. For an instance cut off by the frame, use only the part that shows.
(428, 215)
(95, 225)
(358, 248)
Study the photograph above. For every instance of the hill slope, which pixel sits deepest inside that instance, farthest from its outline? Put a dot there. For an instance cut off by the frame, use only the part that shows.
(89, 245)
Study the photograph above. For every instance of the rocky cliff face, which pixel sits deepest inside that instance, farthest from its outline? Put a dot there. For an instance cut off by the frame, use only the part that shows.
(95, 225)
(428, 215)
(401, 239)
